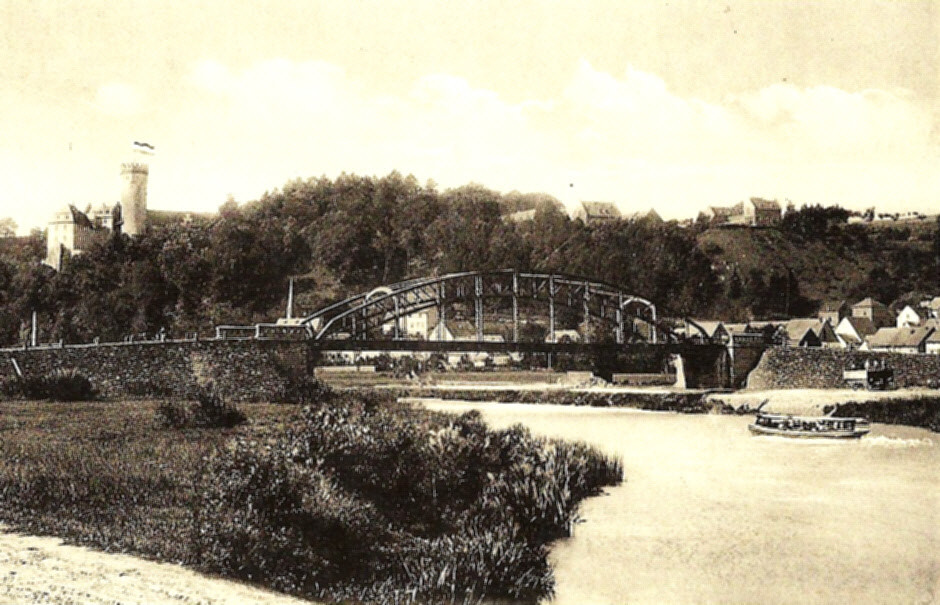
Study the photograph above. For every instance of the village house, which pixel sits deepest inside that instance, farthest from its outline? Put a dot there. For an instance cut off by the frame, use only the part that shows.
(461, 330)
(564, 336)
(810, 332)
(834, 311)
(899, 340)
(702, 329)
(755, 212)
(931, 307)
(852, 331)
(909, 318)
(932, 345)
(878, 313)
(591, 213)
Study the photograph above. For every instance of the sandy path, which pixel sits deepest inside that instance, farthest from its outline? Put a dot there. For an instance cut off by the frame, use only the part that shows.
(44, 570)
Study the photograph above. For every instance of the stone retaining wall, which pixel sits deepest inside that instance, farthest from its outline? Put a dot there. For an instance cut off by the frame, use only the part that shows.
(804, 368)
(245, 370)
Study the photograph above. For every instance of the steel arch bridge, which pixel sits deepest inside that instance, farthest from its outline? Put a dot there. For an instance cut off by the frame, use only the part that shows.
(358, 316)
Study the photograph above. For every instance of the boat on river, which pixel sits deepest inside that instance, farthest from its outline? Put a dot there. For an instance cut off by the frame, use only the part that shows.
(786, 425)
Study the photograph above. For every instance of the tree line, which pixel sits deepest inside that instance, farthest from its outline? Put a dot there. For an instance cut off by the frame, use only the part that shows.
(336, 237)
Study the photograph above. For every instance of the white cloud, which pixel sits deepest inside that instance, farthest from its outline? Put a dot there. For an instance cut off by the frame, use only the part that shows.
(626, 138)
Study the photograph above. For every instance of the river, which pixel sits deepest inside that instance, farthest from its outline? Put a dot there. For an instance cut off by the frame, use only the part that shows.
(710, 514)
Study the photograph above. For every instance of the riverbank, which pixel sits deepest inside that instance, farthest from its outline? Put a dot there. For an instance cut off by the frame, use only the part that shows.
(653, 399)
(917, 407)
(354, 498)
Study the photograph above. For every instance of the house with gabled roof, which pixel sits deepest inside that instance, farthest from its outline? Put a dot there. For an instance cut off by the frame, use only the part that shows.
(932, 344)
(714, 330)
(834, 311)
(877, 312)
(931, 307)
(758, 212)
(909, 318)
(900, 340)
(853, 330)
(451, 330)
(591, 213)
(810, 332)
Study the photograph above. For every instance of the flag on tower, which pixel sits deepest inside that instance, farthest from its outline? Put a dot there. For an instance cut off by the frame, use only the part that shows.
(144, 148)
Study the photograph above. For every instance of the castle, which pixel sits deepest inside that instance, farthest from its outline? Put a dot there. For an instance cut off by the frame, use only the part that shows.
(74, 231)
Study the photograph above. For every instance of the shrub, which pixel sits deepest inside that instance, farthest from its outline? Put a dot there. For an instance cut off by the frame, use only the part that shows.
(306, 390)
(60, 385)
(369, 500)
(209, 410)
(11, 387)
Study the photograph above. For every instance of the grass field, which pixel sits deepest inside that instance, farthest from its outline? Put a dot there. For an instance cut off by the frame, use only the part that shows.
(358, 499)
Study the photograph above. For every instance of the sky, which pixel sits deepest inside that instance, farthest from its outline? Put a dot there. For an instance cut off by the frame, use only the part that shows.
(649, 104)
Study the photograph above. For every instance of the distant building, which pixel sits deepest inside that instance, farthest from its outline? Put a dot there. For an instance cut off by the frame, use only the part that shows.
(462, 330)
(755, 212)
(810, 332)
(878, 313)
(908, 318)
(852, 331)
(591, 213)
(564, 336)
(900, 340)
(932, 345)
(73, 231)
(931, 307)
(834, 311)
(520, 217)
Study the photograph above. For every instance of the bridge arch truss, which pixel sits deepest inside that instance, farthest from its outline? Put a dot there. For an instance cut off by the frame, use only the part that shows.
(358, 316)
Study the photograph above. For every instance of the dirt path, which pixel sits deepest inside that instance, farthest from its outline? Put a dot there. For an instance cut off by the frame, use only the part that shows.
(44, 570)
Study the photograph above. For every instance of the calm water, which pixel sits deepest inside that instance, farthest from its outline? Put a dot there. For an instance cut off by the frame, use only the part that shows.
(710, 514)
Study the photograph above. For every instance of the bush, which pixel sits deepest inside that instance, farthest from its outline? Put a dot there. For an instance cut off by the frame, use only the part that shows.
(306, 391)
(369, 500)
(60, 385)
(209, 410)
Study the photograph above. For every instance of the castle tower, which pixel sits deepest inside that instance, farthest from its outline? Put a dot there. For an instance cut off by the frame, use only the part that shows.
(134, 197)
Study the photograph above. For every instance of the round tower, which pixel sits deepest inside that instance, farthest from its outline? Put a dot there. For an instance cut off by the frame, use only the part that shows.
(134, 197)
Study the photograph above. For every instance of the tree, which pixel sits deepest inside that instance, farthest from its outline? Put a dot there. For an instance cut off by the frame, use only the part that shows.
(7, 227)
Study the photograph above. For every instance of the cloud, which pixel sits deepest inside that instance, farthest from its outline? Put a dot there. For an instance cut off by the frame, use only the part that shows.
(118, 99)
(625, 137)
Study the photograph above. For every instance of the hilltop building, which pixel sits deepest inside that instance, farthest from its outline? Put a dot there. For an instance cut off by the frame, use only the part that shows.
(74, 231)
(755, 212)
(591, 213)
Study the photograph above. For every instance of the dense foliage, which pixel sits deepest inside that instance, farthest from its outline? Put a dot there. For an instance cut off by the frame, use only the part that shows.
(355, 499)
(342, 236)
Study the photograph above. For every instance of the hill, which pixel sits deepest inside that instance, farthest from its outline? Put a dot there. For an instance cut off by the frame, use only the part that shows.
(891, 261)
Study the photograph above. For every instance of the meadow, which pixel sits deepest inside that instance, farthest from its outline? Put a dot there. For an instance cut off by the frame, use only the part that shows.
(352, 497)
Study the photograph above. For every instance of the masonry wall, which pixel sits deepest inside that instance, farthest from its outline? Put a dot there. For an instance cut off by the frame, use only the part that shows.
(245, 370)
(795, 368)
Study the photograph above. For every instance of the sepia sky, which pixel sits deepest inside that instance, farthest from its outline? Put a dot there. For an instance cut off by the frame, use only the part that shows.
(673, 105)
